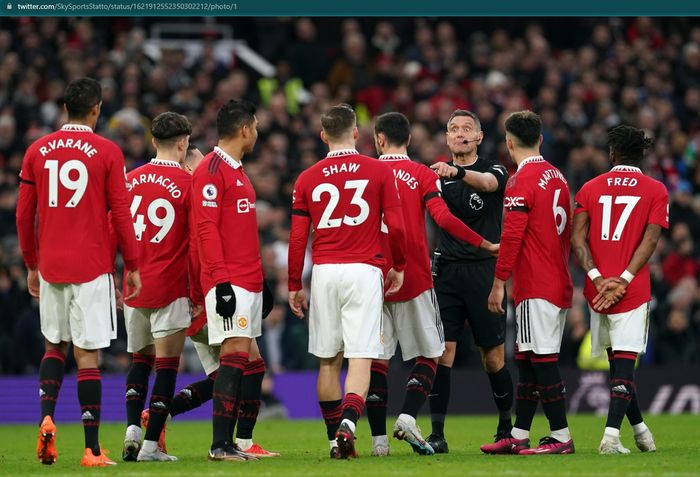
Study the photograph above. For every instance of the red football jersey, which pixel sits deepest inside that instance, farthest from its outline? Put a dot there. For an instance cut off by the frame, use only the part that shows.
(74, 178)
(160, 207)
(344, 195)
(419, 189)
(227, 227)
(535, 242)
(620, 204)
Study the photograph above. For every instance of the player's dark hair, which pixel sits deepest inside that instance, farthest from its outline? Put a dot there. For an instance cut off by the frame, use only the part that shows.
(464, 112)
(526, 126)
(395, 127)
(168, 127)
(80, 96)
(628, 143)
(338, 121)
(233, 116)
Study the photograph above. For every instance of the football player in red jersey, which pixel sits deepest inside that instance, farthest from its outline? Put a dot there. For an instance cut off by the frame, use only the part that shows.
(617, 223)
(157, 319)
(535, 251)
(411, 317)
(236, 296)
(71, 178)
(344, 196)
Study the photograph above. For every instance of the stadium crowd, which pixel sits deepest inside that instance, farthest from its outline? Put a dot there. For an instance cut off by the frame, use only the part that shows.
(583, 76)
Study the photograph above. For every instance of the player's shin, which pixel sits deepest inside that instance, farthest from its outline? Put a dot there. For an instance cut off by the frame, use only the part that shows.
(163, 389)
(193, 395)
(51, 373)
(526, 398)
(420, 383)
(249, 406)
(622, 390)
(551, 389)
(90, 397)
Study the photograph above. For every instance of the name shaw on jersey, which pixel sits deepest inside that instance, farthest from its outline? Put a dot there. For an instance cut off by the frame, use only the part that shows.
(79, 144)
(154, 178)
(344, 167)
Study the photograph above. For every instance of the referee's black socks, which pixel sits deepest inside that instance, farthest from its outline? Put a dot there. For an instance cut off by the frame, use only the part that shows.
(439, 399)
(502, 389)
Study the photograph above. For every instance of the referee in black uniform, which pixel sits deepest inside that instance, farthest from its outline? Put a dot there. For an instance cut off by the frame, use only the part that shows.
(473, 190)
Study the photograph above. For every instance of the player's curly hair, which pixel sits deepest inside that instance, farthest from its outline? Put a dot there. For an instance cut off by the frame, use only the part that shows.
(628, 143)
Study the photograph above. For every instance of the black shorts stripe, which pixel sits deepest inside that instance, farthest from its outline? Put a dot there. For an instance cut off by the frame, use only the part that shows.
(303, 213)
(111, 298)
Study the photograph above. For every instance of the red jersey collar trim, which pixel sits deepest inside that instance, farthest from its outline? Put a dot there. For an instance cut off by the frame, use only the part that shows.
(531, 160)
(228, 159)
(394, 157)
(342, 152)
(626, 169)
(76, 128)
(163, 162)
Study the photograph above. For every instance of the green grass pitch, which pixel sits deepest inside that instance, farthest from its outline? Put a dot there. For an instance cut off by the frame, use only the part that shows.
(305, 452)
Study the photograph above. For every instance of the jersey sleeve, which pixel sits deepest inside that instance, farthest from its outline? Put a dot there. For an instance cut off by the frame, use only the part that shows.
(298, 236)
(659, 207)
(517, 203)
(501, 175)
(393, 217)
(118, 202)
(26, 213)
(207, 197)
(194, 269)
(580, 201)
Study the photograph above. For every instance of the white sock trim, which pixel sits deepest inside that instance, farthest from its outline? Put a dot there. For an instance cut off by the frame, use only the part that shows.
(519, 433)
(350, 424)
(407, 418)
(149, 446)
(639, 428)
(562, 435)
(612, 432)
(244, 444)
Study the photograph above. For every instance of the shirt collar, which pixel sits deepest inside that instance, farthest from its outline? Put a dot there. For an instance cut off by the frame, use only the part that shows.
(342, 152)
(531, 160)
(163, 162)
(227, 158)
(394, 157)
(626, 169)
(76, 127)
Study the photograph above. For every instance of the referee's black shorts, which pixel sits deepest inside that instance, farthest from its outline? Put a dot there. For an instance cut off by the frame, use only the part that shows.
(462, 289)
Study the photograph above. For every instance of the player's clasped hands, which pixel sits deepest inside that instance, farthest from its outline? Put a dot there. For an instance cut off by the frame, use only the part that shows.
(610, 291)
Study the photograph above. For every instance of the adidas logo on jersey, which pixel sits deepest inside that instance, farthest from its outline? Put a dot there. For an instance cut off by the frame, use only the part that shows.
(87, 416)
(373, 398)
(238, 183)
(159, 405)
(414, 382)
(132, 392)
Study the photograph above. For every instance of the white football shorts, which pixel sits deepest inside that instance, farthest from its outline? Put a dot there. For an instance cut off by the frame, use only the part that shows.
(415, 324)
(82, 313)
(345, 310)
(143, 325)
(626, 331)
(539, 326)
(246, 321)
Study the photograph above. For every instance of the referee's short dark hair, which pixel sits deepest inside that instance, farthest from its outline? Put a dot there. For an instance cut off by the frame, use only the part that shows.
(464, 112)
(232, 116)
(338, 121)
(628, 143)
(395, 127)
(526, 126)
(168, 127)
(80, 96)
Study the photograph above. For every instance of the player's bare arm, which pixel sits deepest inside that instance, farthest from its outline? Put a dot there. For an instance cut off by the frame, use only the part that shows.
(496, 296)
(641, 256)
(480, 181)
